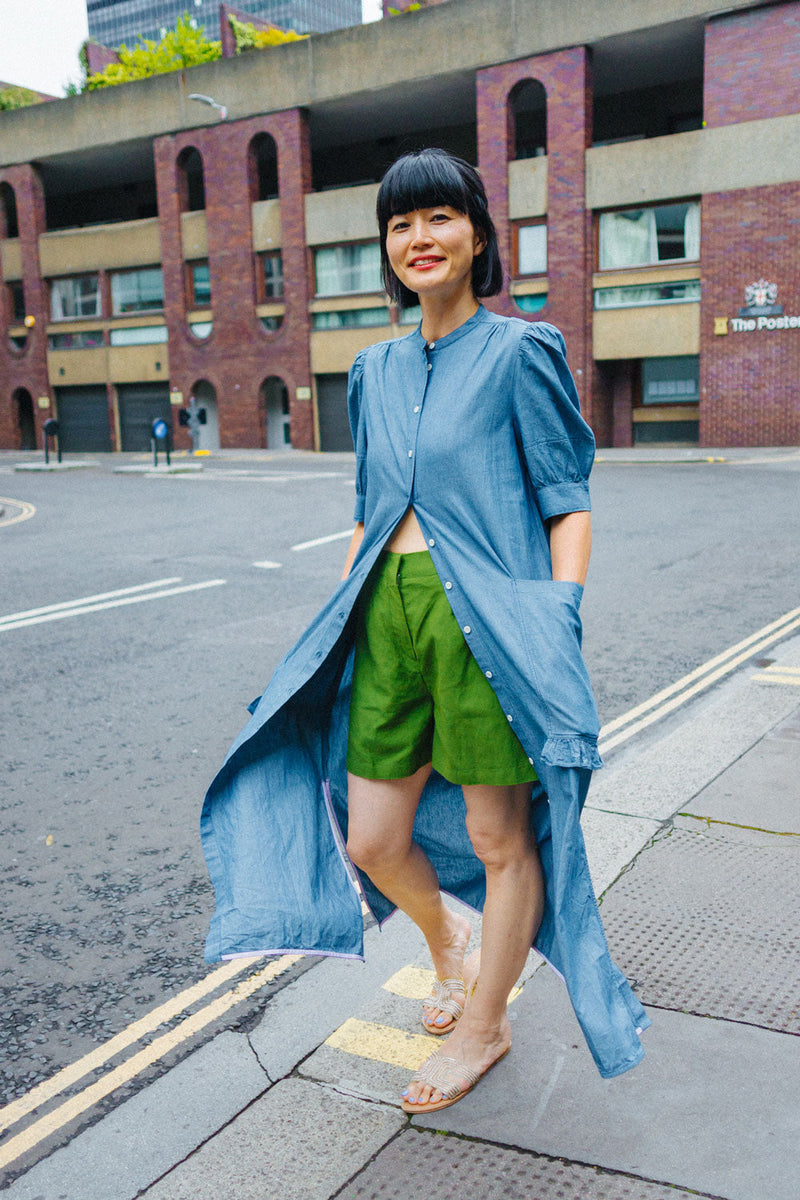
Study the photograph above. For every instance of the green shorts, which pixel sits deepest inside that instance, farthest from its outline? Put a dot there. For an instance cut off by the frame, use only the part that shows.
(418, 695)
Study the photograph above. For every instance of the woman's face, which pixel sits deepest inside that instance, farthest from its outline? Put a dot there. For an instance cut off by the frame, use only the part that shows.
(431, 250)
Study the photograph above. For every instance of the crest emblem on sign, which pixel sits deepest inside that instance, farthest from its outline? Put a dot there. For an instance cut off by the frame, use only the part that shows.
(761, 292)
(759, 300)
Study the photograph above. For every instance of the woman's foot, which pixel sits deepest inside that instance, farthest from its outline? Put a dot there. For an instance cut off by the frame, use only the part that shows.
(444, 1006)
(472, 1050)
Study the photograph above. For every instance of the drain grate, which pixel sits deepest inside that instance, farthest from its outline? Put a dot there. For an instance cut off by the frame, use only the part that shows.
(420, 1164)
(707, 923)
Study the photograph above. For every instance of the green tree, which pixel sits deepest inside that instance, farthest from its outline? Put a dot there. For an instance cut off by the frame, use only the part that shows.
(247, 37)
(181, 47)
(17, 97)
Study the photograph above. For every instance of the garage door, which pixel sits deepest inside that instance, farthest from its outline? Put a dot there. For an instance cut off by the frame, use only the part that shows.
(334, 427)
(83, 418)
(139, 405)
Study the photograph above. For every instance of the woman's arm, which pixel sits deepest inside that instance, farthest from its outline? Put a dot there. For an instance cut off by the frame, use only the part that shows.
(355, 542)
(571, 545)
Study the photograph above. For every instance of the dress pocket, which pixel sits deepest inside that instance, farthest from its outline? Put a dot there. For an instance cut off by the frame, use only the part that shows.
(551, 631)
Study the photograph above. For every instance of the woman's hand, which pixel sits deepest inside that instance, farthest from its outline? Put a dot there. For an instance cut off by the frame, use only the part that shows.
(355, 542)
(570, 546)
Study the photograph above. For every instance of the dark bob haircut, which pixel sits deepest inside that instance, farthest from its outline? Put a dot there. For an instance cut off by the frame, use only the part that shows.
(425, 179)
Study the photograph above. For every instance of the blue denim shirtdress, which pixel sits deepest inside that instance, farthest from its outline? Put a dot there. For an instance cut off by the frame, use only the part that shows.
(481, 431)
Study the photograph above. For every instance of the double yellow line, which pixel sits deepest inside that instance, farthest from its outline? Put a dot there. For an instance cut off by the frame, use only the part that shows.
(672, 697)
(58, 1117)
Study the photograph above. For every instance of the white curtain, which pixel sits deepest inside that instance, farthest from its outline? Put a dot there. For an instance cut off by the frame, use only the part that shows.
(628, 239)
(691, 231)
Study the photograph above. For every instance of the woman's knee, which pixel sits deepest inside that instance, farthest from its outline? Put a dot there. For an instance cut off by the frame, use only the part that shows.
(373, 850)
(500, 847)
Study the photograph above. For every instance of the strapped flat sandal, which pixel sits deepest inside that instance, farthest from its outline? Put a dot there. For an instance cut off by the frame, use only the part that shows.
(441, 997)
(438, 1072)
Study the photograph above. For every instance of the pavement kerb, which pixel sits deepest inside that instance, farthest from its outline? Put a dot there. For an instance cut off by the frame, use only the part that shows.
(645, 785)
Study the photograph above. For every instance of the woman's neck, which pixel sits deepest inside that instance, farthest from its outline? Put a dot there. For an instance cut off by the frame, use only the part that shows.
(441, 315)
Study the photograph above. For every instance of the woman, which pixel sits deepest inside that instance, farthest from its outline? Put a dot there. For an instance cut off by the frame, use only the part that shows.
(464, 717)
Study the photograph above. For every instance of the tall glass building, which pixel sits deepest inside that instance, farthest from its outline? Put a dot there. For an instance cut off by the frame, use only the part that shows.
(112, 22)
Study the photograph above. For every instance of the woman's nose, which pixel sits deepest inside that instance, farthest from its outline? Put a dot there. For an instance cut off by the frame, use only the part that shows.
(420, 232)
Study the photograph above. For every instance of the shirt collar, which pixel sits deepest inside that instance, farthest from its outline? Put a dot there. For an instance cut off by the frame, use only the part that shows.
(476, 319)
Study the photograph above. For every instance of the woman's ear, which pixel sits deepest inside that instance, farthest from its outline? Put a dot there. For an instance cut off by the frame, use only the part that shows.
(480, 243)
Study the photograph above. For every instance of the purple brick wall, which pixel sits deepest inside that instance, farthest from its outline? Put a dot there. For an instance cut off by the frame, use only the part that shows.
(239, 354)
(750, 381)
(752, 65)
(566, 78)
(25, 368)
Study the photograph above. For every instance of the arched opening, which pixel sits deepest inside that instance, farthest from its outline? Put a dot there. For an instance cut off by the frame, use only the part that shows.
(206, 396)
(527, 114)
(262, 167)
(274, 404)
(192, 188)
(26, 425)
(9, 225)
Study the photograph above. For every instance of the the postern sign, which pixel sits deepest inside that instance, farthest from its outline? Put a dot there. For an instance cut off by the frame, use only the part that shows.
(759, 312)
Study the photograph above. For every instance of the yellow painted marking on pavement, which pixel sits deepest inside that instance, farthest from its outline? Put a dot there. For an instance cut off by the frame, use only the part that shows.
(382, 1043)
(414, 983)
(132, 1033)
(683, 682)
(777, 677)
(26, 512)
(66, 1112)
(512, 995)
(778, 630)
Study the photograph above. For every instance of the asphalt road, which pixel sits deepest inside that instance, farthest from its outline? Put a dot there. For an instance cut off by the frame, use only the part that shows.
(114, 720)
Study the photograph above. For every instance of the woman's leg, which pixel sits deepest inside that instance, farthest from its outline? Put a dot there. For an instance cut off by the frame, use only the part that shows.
(380, 826)
(498, 821)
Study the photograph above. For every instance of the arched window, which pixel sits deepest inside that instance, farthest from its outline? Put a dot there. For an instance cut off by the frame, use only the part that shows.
(262, 167)
(527, 112)
(9, 226)
(191, 182)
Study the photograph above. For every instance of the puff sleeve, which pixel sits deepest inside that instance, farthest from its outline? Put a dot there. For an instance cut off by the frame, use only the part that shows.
(557, 444)
(358, 431)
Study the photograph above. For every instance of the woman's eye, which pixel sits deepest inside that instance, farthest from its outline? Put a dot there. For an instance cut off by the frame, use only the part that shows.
(398, 227)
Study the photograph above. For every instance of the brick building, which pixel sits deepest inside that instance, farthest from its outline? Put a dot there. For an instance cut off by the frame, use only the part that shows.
(641, 164)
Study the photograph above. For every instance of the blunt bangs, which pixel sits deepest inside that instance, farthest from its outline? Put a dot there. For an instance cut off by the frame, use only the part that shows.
(425, 179)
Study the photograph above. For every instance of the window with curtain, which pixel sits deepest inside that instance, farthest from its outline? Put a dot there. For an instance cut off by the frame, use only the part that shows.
(532, 249)
(641, 237)
(342, 270)
(137, 291)
(78, 296)
(273, 276)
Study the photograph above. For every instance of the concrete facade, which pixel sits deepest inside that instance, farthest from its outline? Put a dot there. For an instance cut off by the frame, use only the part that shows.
(332, 109)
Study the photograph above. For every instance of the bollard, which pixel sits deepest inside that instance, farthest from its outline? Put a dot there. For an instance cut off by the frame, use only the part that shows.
(50, 430)
(159, 431)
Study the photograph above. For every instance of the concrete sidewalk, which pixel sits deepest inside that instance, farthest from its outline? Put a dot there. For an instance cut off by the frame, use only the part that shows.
(693, 833)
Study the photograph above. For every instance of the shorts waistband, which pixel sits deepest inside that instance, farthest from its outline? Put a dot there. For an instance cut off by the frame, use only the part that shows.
(394, 568)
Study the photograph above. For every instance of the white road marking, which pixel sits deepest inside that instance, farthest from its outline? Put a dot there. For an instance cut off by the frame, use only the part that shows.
(59, 614)
(670, 698)
(51, 608)
(267, 565)
(332, 537)
(27, 510)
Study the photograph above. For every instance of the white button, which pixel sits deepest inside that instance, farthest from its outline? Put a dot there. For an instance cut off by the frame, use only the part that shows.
(431, 542)
(430, 366)
(467, 629)
(416, 408)
(448, 585)
(411, 454)
(509, 716)
(530, 760)
(488, 674)
(431, 345)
